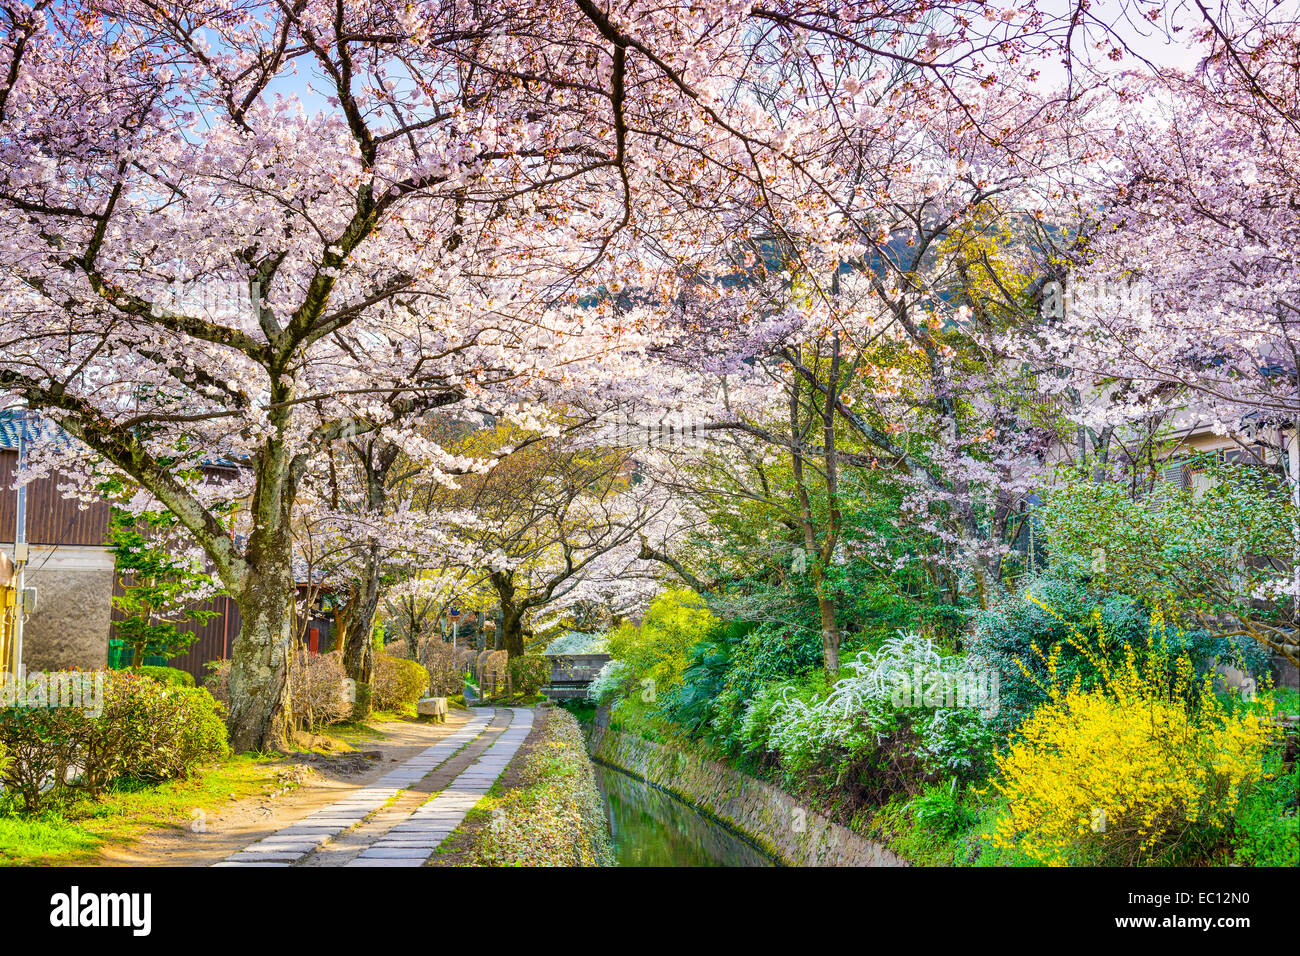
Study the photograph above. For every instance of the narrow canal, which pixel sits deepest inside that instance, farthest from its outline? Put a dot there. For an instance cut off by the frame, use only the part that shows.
(651, 827)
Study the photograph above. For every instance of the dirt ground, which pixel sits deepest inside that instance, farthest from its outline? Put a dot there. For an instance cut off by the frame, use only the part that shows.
(323, 780)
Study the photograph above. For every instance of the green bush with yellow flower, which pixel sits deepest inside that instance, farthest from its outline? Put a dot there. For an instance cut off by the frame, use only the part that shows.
(1149, 765)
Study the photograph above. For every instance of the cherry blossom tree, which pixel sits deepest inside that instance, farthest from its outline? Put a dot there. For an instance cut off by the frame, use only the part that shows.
(201, 265)
(553, 528)
(244, 230)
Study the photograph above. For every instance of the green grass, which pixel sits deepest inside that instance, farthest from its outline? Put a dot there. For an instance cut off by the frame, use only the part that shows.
(75, 833)
(584, 711)
(354, 731)
(553, 816)
(1267, 831)
(51, 842)
(955, 831)
(1287, 701)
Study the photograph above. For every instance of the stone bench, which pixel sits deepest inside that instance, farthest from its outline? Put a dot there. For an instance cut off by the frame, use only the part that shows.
(432, 707)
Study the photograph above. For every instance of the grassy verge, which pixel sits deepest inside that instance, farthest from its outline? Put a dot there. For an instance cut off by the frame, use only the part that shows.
(75, 834)
(555, 816)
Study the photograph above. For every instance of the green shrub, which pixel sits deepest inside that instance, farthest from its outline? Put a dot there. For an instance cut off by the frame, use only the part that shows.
(944, 826)
(158, 731)
(168, 675)
(907, 715)
(528, 673)
(1185, 543)
(1006, 634)
(146, 729)
(1267, 827)
(691, 703)
(940, 810)
(767, 706)
(42, 744)
(398, 683)
(769, 652)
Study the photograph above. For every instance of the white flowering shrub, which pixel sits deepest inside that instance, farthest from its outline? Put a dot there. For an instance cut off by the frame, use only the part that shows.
(577, 642)
(608, 682)
(906, 711)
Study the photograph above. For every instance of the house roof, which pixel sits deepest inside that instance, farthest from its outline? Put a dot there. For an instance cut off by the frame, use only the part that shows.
(14, 421)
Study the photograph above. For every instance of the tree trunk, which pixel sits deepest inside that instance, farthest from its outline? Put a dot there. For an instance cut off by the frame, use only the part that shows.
(830, 635)
(359, 645)
(260, 717)
(511, 632)
(817, 556)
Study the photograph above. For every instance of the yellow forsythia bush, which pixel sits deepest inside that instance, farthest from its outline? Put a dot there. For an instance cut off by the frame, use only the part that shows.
(1123, 771)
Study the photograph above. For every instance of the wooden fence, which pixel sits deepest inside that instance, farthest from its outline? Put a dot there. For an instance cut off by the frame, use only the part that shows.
(215, 635)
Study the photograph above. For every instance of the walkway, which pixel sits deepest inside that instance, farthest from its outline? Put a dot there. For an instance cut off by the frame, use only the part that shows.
(390, 823)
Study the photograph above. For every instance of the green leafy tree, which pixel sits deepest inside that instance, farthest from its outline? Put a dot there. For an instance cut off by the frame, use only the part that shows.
(1221, 551)
(657, 652)
(159, 587)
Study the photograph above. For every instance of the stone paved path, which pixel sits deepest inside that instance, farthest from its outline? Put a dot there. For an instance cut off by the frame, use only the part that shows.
(412, 842)
(289, 844)
(417, 833)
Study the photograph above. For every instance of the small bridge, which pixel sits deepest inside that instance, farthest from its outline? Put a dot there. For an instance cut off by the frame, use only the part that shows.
(576, 658)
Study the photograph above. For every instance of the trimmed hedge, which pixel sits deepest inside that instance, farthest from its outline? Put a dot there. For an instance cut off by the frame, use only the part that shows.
(398, 683)
(168, 675)
(557, 817)
(528, 673)
(144, 729)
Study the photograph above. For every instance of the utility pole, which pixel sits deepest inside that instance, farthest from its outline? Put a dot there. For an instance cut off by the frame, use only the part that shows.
(20, 548)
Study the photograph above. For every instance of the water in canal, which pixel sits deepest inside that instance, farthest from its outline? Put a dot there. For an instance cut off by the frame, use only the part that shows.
(653, 828)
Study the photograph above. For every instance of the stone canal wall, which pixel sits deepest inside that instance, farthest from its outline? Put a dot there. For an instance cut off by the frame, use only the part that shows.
(776, 821)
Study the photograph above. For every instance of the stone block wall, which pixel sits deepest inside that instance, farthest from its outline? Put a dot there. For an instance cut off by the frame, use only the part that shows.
(772, 818)
(70, 627)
